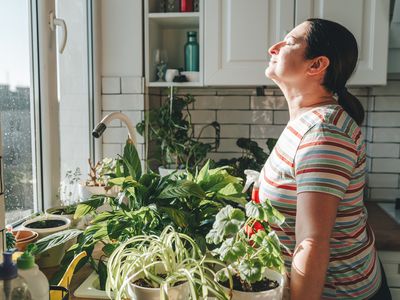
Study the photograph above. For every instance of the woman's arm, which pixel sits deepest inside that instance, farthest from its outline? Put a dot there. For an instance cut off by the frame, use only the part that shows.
(315, 218)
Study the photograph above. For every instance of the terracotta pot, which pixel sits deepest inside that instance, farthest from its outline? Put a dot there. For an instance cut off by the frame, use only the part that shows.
(23, 238)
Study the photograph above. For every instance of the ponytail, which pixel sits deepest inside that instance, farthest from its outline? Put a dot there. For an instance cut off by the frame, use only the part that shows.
(351, 105)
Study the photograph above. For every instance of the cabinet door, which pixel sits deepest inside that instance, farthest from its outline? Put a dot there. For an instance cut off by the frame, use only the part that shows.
(237, 36)
(368, 20)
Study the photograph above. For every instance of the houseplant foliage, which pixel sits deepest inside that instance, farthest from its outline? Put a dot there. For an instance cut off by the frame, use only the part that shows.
(170, 260)
(148, 203)
(253, 157)
(246, 243)
(173, 132)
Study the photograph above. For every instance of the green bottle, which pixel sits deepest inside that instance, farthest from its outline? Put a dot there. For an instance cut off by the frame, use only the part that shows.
(192, 52)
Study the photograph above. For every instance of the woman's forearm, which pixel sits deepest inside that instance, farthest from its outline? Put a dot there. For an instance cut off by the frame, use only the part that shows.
(309, 265)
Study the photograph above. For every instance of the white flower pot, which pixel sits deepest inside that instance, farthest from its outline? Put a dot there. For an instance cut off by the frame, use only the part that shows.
(74, 222)
(179, 292)
(275, 294)
(53, 256)
(85, 191)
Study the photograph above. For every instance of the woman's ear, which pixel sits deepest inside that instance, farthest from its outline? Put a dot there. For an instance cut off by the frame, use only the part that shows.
(318, 65)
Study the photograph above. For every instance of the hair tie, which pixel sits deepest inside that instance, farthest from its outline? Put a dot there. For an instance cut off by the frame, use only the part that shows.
(342, 91)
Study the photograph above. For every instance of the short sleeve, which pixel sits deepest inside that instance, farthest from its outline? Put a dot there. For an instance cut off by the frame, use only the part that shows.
(325, 161)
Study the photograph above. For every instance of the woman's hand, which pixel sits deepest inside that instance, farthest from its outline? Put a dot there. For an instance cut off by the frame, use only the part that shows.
(315, 218)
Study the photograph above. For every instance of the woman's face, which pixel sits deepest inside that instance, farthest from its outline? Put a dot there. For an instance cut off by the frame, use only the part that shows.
(288, 63)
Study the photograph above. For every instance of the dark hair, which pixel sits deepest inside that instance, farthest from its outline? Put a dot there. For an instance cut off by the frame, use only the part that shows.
(330, 39)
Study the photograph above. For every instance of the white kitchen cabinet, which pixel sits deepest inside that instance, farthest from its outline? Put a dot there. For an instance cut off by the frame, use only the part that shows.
(237, 35)
(168, 31)
(391, 264)
(368, 20)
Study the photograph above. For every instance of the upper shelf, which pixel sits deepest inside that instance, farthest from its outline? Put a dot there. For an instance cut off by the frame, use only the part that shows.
(175, 20)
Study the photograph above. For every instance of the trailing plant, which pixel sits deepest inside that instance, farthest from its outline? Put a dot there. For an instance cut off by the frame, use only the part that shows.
(163, 261)
(173, 131)
(253, 157)
(10, 240)
(247, 245)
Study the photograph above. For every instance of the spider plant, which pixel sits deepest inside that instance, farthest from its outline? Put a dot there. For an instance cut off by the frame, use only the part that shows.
(162, 262)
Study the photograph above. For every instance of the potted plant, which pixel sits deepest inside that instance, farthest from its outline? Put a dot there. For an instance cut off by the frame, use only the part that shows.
(251, 251)
(96, 184)
(253, 157)
(188, 202)
(46, 225)
(173, 132)
(169, 266)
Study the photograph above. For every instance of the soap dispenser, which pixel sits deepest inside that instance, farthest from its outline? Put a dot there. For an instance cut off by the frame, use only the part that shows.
(12, 286)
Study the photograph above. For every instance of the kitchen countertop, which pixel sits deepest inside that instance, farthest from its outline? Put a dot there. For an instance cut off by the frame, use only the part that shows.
(387, 233)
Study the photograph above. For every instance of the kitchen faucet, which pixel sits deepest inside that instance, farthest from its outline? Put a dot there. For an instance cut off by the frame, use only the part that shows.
(102, 126)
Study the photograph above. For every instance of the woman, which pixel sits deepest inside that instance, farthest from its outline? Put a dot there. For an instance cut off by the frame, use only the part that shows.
(315, 175)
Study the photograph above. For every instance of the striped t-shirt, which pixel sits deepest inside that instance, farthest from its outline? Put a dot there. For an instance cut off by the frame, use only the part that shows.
(323, 150)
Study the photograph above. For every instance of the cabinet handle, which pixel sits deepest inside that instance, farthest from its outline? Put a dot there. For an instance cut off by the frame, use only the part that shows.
(53, 21)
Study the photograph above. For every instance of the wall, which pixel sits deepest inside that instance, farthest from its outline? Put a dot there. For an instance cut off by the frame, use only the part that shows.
(243, 114)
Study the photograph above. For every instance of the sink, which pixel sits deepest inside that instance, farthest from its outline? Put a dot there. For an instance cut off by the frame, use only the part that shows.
(390, 209)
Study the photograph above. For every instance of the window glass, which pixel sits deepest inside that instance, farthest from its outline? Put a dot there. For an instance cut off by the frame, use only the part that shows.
(16, 110)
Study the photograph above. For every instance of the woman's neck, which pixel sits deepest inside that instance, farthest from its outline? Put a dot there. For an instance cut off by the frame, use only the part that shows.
(305, 98)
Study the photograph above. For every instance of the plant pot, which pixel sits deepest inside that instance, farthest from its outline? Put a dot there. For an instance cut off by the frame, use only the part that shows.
(60, 223)
(23, 238)
(274, 294)
(179, 292)
(167, 171)
(51, 212)
(86, 191)
(51, 257)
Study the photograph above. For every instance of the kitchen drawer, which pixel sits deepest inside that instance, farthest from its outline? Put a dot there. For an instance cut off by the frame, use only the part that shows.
(391, 264)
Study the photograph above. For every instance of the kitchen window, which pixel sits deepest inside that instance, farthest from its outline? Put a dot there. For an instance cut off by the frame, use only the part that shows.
(18, 110)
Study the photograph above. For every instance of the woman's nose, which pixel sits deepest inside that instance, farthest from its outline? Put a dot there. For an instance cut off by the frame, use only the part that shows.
(274, 49)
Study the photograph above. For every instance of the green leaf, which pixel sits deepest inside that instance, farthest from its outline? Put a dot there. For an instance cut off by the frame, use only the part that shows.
(251, 270)
(227, 223)
(88, 206)
(178, 217)
(264, 212)
(255, 210)
(117, 181)
(231, 251)
(10, 240)
(203, 172)
(131, 160)
(109, 248)
(55, 239)
(102, 271)
(182, 189)
(273, 215)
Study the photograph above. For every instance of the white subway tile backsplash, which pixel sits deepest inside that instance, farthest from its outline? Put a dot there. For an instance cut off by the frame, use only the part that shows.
(387, 103)
(268, 102)
(111, 85)
(384, 119)
(387, 165)
(234, 116)
(203, 116)
(281, 117)
(383, 180)
(261, 117)
(132, 85)
(206, 132)
(123, 102)
(266, 131)
(115, 135)
(112, 150)
(222, 102)
(216, 156)
(384, 194)
(390, 135)
(134, 116)
(228, 145)
(383, 150)
(235, 131)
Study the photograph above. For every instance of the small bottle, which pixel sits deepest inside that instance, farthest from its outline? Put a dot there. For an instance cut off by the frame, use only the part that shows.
(186, 5)
(12, 286)
(192, 52)
(38, 284)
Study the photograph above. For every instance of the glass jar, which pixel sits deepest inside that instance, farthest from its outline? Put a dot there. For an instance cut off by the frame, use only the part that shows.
(192, 52)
